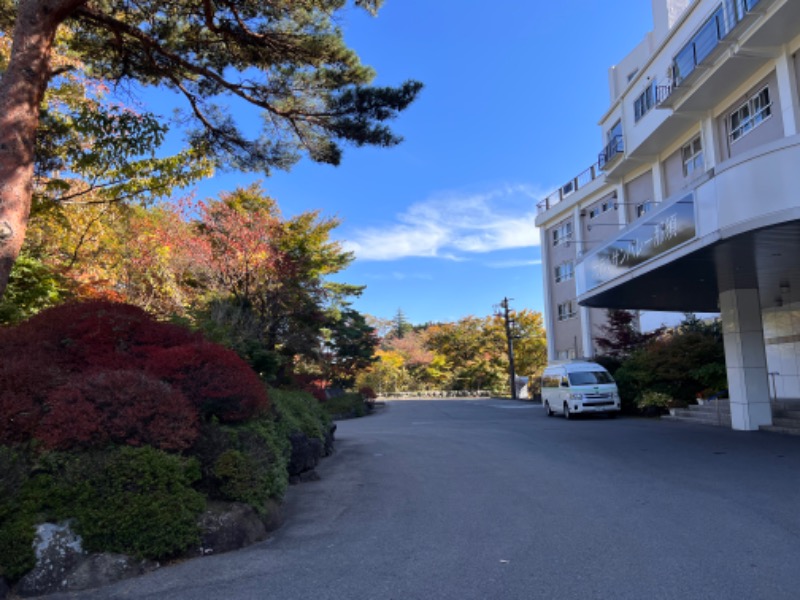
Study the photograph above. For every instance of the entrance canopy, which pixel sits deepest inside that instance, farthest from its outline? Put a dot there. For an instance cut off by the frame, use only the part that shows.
(691, 277)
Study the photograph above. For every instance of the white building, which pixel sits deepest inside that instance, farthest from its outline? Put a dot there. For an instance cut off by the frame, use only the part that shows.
(694, 202)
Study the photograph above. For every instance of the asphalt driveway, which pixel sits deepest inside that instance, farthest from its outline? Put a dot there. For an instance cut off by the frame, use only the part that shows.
(477, 499)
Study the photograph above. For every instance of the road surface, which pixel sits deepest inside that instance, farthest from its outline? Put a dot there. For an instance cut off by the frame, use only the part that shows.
(490, 499)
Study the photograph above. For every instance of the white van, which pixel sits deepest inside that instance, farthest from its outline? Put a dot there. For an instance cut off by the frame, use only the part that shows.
(579, 387)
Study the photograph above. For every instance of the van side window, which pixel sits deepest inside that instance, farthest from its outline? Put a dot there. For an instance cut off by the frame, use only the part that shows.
(590, 378)
(549, 381)
(564, 381)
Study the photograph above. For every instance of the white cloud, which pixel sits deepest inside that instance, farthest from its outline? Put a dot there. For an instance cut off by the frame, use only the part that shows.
(511, 264)
(450, 225)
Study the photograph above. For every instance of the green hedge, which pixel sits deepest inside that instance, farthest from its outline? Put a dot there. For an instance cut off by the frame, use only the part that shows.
(300, 411)
(244, 463)
(346, 405)
(136, 501)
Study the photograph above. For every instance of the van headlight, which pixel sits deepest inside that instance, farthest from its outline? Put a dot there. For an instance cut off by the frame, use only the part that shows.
(576, 396)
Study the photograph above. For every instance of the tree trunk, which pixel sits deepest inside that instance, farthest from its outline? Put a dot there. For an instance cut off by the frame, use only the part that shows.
(22, 88)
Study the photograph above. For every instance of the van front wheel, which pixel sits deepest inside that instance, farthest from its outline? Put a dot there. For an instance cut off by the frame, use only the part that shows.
(547, 409)
(567, 414)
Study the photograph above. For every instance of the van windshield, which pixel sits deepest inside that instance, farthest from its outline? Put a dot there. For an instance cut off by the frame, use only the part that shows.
(589, 377)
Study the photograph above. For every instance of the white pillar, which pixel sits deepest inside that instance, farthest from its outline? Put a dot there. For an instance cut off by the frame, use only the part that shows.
(586, 332)
(787, 90)
(549, 307)
(709, 139)
(621, 205)
(658, 183)
(745, 359)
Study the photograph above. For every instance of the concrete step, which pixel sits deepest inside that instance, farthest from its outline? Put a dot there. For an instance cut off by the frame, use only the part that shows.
(786, 404)
(701, 412)
(779, 421)
(786, 414)
(707, 410)
(723, 421)
(778, 429)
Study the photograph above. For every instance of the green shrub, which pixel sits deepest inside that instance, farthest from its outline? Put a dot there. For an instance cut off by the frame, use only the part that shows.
(32, 493)
(16, 552)
(141, 503)
(300, 411)
(346, 405)
(245, 463)
(16, 517)
(653, 399)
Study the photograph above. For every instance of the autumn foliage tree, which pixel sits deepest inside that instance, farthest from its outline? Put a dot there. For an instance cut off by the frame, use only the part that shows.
(286, 59)
(467, 354)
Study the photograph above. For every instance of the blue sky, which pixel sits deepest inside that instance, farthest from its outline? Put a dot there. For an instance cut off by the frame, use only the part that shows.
(442, 225)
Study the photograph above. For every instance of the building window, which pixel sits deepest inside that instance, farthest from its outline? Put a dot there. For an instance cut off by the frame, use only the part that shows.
(643, 208)
(565, 355)
(565, 272)
(750, 115)
(598, 209)
(562, 233)
(692, 156)
(646, 101)
(566, 311)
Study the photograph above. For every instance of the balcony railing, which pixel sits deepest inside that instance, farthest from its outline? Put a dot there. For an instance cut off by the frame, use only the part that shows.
(613, 149)
(703, 45)
(573, 185)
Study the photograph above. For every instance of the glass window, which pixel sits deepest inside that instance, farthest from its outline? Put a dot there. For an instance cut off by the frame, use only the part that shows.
(750, 114)
(564, 272)
(643, 208)
(692, 156)
(566, 311)
(589, 378)
(644, 102)
(615, 131)
(562, 233)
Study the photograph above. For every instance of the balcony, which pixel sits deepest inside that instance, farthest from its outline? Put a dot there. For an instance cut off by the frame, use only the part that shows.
(611, 152)
(707, 45)
(569, 188)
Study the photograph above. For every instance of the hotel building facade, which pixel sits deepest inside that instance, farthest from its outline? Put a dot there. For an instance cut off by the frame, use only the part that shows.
(694, 201)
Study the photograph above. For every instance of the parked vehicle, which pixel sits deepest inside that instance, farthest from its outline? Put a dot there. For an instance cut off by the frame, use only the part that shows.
(579, 387)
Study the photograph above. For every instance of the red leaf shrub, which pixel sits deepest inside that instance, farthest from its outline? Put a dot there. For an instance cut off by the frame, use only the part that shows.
(98, 335)
(313, 384)
(89, 374)
(215, 379)
(73, 421)
(23, 385)
(123, 407)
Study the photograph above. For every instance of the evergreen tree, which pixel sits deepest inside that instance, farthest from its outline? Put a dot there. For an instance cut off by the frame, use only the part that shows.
(400, 325)
(287, 59)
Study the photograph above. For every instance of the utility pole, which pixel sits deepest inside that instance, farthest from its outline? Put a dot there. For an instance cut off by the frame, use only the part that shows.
(510, 340)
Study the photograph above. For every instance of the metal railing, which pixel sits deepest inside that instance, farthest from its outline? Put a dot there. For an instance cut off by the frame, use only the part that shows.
(573, 185)
(614, 147)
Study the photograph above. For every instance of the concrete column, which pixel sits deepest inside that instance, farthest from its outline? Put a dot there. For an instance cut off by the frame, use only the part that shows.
(621, 204)
(580, 250)
(787, 90)
(586, 333)
(658, 183)
(549, 307)
(745, 359)
(710, 142)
